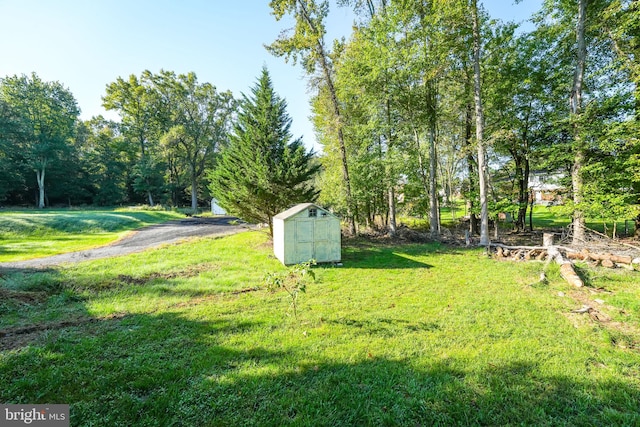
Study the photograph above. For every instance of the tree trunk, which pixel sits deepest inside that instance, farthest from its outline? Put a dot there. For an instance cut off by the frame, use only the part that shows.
(522, 200)
(392, 211)
(482, 173)
(522, 171)
(434, 218)
(575, 102)
(392, 226)
(525, 189)
(421, 167)
(473, 219)
(194, 194)
(40, 178)
(468, 127)
(637, 98)
(324, 65)
(531, 202)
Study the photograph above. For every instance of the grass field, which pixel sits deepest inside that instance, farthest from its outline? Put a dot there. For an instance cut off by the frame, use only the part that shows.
(36, 233)
(187, 335)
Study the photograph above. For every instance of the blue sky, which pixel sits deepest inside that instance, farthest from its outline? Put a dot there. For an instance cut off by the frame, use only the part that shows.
(86, 44)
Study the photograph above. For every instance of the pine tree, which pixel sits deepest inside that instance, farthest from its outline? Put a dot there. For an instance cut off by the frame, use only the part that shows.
(262, 172)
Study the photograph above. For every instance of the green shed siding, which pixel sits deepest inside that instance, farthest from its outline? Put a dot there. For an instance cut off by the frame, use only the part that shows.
(306, 232)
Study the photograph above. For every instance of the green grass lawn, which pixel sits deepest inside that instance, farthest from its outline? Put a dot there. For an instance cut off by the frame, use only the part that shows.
(557, 217)
(33, 234)
(188, 335)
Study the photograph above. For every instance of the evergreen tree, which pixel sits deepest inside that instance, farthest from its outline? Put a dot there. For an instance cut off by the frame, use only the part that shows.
(262, 171)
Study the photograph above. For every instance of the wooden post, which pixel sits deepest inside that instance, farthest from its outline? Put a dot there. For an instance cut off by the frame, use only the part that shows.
(547, 239)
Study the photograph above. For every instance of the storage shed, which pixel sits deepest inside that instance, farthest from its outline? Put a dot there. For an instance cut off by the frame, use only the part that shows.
(216, 209)
(304, 232)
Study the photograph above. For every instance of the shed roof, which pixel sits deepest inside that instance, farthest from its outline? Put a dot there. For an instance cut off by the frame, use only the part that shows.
(296, 209)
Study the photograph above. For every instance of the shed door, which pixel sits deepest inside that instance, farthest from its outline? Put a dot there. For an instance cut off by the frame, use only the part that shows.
(304, 240)
(321, 243)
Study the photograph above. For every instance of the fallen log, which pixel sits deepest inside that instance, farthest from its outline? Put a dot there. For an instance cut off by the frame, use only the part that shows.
(578, 255)
(567, 271)
(607, 263)
(621, 259)
(590, 256)
(583, 309)
(528, 248)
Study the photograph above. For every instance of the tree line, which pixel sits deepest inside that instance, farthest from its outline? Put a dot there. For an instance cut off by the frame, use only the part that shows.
(177, 142)
(171, 126)
(427, 101)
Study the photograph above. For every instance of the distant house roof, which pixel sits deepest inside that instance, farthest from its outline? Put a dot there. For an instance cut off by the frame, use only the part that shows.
(545, 181)
(296, 209)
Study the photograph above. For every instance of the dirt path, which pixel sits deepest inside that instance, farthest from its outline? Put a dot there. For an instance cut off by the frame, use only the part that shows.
(145, 238)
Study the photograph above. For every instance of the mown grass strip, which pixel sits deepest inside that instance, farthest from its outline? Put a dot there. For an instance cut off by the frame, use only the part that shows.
(400, 335)
(34, 234)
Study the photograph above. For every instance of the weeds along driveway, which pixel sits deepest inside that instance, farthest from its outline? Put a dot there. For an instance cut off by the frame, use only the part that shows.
(144, 238)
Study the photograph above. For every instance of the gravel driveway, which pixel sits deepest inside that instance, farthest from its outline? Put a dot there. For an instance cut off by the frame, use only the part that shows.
(142, 239)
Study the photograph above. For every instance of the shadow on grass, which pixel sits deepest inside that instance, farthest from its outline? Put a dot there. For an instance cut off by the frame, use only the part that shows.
(120, 371)
(398, 256)
(170, 370)
(43, 283)
(386, 392)
(386, 257)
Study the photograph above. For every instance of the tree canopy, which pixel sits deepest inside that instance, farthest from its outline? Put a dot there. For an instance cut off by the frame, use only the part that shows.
(39, 120)
(425, 103)
(434, 103)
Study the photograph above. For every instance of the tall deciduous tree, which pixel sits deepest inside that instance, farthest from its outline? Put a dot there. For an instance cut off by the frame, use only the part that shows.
(48, 113)
(263, 171)
(307, 42)
(106, 156)
(622, 18)
(133, 100)
(200, 119)
(522, 101)
(388, 79)
(575, 105)
(482, 167)
(584, 35)
(364, 89)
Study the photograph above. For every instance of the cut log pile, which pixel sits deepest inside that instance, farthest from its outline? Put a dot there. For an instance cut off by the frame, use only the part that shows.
(606, 260)
(527, 253)
(564, 257)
